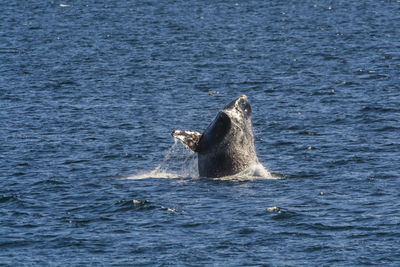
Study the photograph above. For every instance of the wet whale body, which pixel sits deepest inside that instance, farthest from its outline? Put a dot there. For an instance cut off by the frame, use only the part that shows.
(226, 147)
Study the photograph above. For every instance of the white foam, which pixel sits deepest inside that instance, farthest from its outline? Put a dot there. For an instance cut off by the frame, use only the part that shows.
(154, 174)
(254, 172)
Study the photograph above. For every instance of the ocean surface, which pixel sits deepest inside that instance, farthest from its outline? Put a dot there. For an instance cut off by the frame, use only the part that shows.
(90, 92)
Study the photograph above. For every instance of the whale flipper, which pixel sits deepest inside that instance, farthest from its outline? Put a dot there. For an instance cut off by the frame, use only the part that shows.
(189, 138)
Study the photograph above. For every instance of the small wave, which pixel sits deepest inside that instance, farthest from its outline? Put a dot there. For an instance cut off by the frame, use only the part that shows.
(49, 181)
(142, 205)
(7, 198)
(280, 213)
(135, 204)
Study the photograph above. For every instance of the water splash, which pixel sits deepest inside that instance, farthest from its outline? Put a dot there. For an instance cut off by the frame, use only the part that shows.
(181, 162)
(254, 172)
(178, 162)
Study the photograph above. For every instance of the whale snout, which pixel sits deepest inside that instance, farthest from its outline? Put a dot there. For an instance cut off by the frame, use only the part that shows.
(239, 102)
(239, 110)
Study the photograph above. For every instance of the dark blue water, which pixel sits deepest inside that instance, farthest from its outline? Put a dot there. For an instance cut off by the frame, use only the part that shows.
(91, 90)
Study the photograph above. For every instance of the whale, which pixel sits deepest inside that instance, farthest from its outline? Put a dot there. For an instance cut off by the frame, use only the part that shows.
(226, 147)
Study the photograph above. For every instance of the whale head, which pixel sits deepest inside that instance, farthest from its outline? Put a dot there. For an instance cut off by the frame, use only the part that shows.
(231, 127)
(227, 145)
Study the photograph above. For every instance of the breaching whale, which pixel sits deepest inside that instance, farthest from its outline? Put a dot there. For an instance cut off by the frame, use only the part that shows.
(226, 147)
